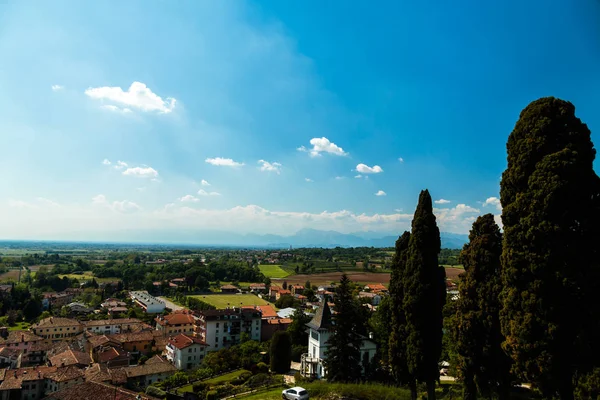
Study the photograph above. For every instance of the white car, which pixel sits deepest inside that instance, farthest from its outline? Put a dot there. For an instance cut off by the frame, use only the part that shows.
(295, 393)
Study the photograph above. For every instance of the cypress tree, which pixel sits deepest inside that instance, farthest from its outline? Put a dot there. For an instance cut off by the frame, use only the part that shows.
(550, 194)
(397, 338)
(424, 297)
(343, 361)
(281, 352)
(483, 364)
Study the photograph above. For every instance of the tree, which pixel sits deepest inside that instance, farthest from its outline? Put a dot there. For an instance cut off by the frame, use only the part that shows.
(297, 328)
(424, 296)
(285, 285)
(549, 195)
(281, 352)
(343, 361)
(483, 364)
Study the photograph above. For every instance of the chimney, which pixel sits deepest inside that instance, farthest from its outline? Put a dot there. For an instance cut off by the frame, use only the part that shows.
(22, 337)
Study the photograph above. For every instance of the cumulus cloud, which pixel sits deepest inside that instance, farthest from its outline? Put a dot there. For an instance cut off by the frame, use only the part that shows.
(113, 108)
(57, 88)
(120, 165)
(365, 169)
(339, 178)
(401, 159)
(123, 206)
(455, 219)
(442, 201)
(358, 176)
(308, 180)
(141, 172)
(322, 145)
(203, 192)
(188, 198)
(493, 201)
(223, 162)
(270, 167)
(204, 183)
(106, 161)
(381, 193)
(138, 96)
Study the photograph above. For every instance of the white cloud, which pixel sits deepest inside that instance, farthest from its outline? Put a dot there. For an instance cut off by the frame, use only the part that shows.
(57, 88)
(455, 219)
(140, 189)
(323, 145)
(493, 201)
(124, 206)
(401, 159)
(47, 202)
(141, 172)
(203, 192)
(365, 169)
(189, 198)
(223, 162)
(113, 108)
(358, 176)
(270, 167)
(138, 96)
(339, 178)
(204, 183)
(381, 193)
(308, 180)
(442, 201)
(120, 165)
(398, 209)
(106, 161)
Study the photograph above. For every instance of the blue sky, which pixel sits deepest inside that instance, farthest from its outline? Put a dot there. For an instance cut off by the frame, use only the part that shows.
(113, 113)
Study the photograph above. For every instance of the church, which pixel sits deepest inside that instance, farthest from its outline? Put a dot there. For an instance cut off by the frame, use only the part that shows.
(319, 330)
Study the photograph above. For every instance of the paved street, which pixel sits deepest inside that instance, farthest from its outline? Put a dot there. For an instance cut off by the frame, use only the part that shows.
(170, 304)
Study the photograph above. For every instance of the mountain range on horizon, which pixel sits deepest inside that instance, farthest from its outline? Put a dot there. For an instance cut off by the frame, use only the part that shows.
(302, 238)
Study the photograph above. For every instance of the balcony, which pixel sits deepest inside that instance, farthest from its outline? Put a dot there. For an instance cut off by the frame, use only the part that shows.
(311, 367)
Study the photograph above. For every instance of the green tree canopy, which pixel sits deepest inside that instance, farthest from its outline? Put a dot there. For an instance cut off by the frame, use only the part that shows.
(281, 352)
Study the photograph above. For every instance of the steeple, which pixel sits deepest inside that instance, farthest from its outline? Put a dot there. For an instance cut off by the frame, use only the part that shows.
(322, 319)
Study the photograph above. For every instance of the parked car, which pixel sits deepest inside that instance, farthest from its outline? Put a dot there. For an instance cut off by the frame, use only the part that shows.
(295, 393)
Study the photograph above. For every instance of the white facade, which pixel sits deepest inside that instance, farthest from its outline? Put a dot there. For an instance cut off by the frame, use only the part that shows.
(187, 358)
(223, 328)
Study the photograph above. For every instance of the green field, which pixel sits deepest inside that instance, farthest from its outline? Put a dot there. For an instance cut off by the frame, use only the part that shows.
(87, 276)
(19, 326)
(216, 381)
(231, 300)
(273, 271)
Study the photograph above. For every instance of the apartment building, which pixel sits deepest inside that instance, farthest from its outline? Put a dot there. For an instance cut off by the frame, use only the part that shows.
(113, 326)
(175, 323)
(57, 328)
(223, 328)
(149, 303)
(185, 352)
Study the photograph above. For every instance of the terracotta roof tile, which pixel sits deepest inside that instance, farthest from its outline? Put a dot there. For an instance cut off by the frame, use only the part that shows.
(20, 336)
(96, 391)
(70, 357)
(182, 341)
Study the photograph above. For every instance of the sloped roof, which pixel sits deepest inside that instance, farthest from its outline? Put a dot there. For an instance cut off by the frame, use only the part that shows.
(179, 318)
(96, 391)
(154, 367)
(70, 357)
(182, 341)
(67, 374)
(20, 336)
(52, 322)
(322, 318)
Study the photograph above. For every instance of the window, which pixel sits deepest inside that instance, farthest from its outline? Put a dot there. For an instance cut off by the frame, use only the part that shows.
(189, 358)
(217, 324)
(314, 335)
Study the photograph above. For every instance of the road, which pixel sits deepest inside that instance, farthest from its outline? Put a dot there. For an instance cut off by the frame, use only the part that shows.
(170, 304)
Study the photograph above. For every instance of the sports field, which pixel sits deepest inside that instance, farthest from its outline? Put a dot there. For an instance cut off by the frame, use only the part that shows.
(273, 271)
(231, 300)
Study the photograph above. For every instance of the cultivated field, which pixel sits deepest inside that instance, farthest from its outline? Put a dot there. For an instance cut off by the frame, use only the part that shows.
(273, 271)
(453, 272)
(328, 277)
(87, 276)
(231, 300)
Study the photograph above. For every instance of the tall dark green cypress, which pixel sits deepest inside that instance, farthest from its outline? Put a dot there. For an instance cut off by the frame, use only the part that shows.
(424, 297)
(550, 194)
(397, 340)
(484, 366)
(343, 362)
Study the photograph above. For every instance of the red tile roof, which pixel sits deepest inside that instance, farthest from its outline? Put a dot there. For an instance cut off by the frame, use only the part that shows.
(182, 341)
(96, 391)
(176, 318)
(267, 311)
(70, 357)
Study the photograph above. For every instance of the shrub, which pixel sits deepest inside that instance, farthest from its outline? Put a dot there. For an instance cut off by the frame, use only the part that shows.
(262, 368)
(212, 395)
(156, 392)
(258, 380)
(199, 387)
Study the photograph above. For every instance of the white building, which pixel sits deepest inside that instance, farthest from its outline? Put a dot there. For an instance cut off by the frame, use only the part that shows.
(113, 326)
(223, 328)
(185, 352)
(319, 332)
(149, 303)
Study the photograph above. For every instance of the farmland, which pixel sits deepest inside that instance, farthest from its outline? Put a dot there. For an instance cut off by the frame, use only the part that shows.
(329, 277)
(273, 271)
(230, 300)
(88, 276)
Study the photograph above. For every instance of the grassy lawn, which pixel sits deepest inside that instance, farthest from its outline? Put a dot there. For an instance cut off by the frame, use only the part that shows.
(19, 326)
(87, 276)
(216, 381)
(273, 271)
(224, 300)
(323, 390)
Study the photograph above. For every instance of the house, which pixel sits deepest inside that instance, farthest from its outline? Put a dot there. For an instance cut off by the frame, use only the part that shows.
(147, 302)
(136, 343)
(278, 292)
(270, 326)
(36, 355)
(97, 391)
(56, 300)
(229, 289)
(112, 356)
(223, 328)
(177, 322)
(21, 340)
(112, 305)
(301, 298)
(71, 358)
(296, 289)
(373, 298)
(78, 308)
(116, 325)
(156, 369)
(64, 378)
(258, 288)
(376, 288)
(57, 328)
(10, 358)
(286, 312)
(185, 352)
(319, 332)
(24, 383)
